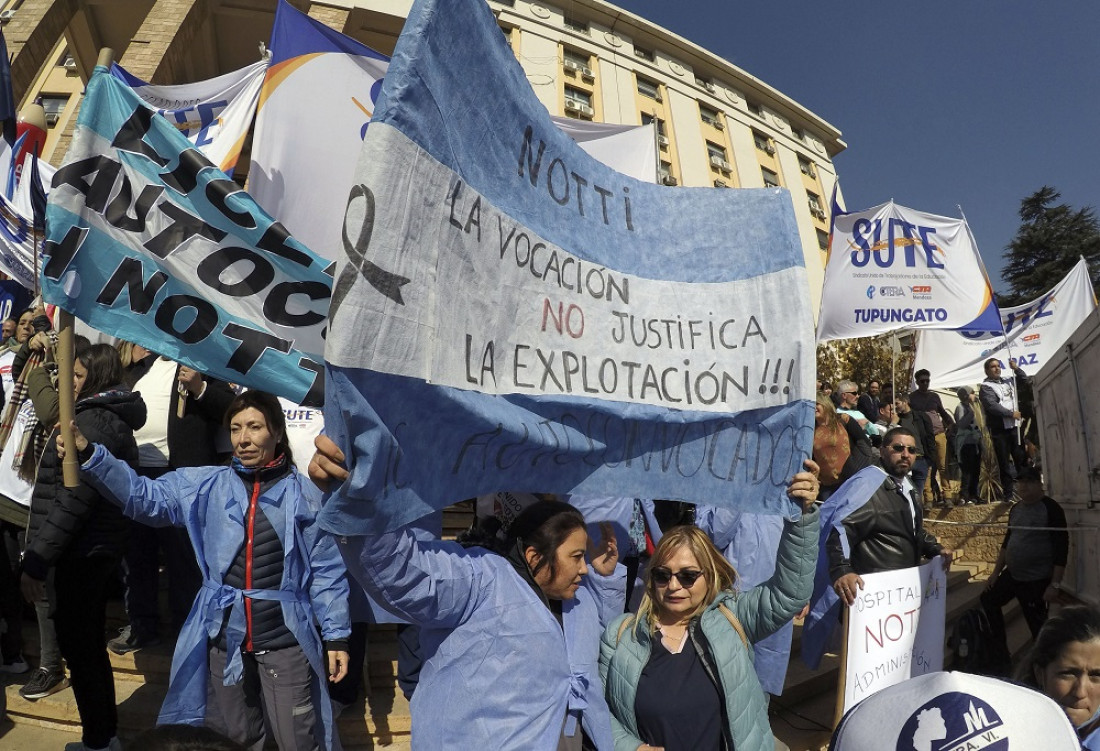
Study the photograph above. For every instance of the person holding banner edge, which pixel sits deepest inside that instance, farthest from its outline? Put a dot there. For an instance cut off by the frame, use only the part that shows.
(886, 532)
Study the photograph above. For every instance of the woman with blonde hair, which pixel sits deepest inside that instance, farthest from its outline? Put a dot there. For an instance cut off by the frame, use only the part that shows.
(841, 448)
(679, 675)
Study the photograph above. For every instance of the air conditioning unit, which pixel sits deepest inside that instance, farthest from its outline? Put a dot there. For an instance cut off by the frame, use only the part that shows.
(70, 64)
(51, 119)
(657, 97)
(770, 149)
(7, 15)
(662, 141)
(720, 184)
(708, 86)
(571, 65)
(586, 72)
(669, 180)
(718, 124)
(810, 171)
(820, 214)
(717, 161)
(586, 110)
(572, 105)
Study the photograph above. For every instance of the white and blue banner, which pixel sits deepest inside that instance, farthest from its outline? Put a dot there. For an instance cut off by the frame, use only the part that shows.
(1033, 333)
(149, 241)
(511, 314)
(894, 268)
(214, 115)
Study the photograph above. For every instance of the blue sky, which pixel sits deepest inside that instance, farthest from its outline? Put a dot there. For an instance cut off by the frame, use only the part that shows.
(969, 103)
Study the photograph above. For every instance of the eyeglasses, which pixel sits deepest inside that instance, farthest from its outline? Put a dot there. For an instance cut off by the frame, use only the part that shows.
(901, 448)
(847, 393)
(662, 576)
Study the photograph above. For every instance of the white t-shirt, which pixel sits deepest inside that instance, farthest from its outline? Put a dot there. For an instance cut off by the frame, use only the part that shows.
(156, 388)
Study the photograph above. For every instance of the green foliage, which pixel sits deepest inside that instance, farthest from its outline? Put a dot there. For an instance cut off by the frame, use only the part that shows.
(864, 359)
(1051, 238)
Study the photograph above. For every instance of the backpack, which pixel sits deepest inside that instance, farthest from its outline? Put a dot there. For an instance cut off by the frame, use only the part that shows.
(975, 648)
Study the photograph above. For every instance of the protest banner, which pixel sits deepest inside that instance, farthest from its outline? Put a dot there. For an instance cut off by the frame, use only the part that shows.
(148, 240)
(1033, 332)
(317, 102)
(894, 268)
(895, 629)
(511, 314)
(214, 115)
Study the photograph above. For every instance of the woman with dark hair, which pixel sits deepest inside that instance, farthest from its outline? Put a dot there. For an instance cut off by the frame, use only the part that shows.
(679, 675)
(270, 577)
(81, 536)
(1064, 663)
(510, 634)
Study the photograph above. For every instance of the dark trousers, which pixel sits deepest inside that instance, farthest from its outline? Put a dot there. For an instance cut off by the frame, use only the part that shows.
(1004, 446)
(276, 685)
(142, 568)
(80, 615)
(11, 601)
(1030, 596)
(970, 468)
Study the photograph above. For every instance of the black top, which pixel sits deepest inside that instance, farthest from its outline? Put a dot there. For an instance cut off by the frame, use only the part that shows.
(677, 705)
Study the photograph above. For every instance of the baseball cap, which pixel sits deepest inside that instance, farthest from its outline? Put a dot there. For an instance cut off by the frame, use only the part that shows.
(947, 711)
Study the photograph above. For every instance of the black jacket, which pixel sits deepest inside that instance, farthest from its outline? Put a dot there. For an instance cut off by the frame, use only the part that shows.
(191, 438)
(881, 536)
(921, 426)
(78, 521)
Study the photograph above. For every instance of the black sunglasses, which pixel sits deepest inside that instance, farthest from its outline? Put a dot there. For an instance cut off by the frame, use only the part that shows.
(902, 448)
(662, 576)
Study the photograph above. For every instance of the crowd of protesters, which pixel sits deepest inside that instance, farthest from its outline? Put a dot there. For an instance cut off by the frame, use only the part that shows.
(555, 623)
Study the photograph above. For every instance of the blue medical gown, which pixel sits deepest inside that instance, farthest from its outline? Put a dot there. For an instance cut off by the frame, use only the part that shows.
(499, 671)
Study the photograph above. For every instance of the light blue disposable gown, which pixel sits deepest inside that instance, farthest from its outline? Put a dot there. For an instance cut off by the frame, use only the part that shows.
(750, 542)
(499, 671)
(211, 504)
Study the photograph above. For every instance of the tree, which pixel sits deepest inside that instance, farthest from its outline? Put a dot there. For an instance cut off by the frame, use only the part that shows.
(864, 359)
(1050, 240)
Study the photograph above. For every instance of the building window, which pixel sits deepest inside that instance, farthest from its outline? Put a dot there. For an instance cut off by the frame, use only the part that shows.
(814, 201)
(717, 155)
(644, 54)
(755, 108)
(577, 63)
(823, 239)
(580, 27)
(771, 179)
(660, 124)
(704, 83)
(54, 104)
(806, 167)
(649, 89)
(763, 142)
(664, 174)
(710, 116)
(798, 133)
(578, 103)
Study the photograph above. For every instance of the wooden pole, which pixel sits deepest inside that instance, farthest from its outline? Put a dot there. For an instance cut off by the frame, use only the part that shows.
(842, 675)
(70, 467)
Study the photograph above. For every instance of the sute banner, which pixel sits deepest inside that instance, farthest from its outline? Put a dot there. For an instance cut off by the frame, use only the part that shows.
(214, 115)
(511, 314)
(1032, 334)
(894, 268)
(895, 629)
(149, 241)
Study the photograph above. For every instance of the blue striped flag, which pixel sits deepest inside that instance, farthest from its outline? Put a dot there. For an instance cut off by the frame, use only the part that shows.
(510, 314)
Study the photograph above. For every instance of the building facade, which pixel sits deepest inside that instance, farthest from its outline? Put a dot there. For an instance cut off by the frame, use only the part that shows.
(717, 125)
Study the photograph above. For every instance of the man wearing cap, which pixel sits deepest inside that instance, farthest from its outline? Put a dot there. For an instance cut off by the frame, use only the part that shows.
(1032, 560)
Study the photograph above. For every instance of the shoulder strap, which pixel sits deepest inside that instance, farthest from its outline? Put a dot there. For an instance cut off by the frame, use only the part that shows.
(735, 623)
(623, 627)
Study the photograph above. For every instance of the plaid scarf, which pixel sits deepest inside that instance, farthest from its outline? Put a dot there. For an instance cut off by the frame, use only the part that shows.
(30, 436)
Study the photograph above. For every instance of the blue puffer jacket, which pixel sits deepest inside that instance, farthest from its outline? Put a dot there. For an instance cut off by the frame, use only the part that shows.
(499, 671)
(762, 610)
(211, 503)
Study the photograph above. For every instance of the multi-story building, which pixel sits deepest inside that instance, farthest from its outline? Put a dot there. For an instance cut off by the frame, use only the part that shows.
(716, 125)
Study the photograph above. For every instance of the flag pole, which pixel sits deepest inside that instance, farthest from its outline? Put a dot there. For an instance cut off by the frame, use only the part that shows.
(70, 467)
(842, 674)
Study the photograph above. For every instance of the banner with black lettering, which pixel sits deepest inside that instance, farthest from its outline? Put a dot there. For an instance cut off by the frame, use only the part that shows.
(892, 268)
(513, 315)
(147, 240)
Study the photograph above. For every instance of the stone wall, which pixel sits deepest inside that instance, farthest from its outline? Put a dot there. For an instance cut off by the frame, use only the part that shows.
(964, 528)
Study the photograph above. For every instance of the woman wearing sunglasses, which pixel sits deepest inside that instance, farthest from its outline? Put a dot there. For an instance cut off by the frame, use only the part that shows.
(679, 675)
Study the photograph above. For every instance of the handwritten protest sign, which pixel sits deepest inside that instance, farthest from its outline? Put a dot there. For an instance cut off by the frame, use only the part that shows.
(895, 629)
(148, 240)
(511, 314)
